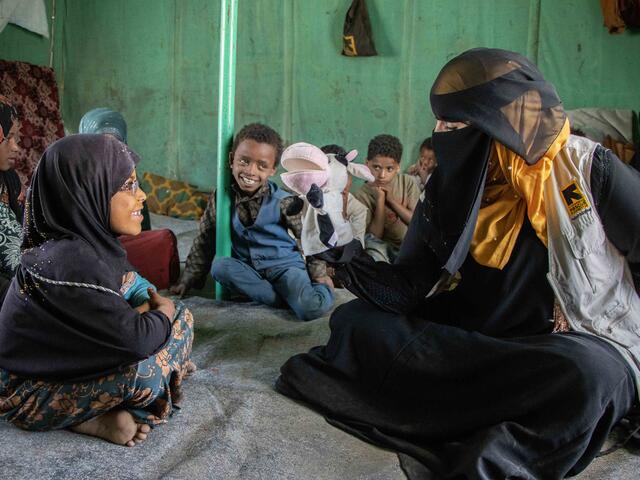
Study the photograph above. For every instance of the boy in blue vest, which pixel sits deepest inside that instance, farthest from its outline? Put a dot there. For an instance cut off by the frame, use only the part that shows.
(266, 263)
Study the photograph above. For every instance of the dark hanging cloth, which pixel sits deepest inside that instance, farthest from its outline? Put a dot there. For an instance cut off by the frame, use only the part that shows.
(357, 37)
(630, 13)
(63, 317)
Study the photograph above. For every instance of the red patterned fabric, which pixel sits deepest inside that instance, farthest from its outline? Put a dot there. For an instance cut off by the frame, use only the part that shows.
(32, 89)
(154, 254)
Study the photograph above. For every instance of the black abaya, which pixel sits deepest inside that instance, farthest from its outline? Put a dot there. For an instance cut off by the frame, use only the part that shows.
(470, 399)
(469, 383)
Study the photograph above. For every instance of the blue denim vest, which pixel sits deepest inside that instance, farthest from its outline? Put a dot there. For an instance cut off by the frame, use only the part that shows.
(266, 243)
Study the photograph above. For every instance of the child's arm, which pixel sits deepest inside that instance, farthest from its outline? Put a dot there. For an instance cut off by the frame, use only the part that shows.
(202, 252)
(376, 226)
(411, 194)
(403, 212)
(135, 291)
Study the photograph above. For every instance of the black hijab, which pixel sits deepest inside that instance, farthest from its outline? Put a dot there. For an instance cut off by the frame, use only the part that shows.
(63, 316)
(502, 94)
(502, 97)
(8, 115)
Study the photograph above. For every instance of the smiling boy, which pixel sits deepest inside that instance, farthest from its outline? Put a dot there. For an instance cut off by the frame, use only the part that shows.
(390, 200)
(266, 263)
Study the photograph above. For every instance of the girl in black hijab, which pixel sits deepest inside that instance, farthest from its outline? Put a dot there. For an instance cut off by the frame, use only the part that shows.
(523, 230)
(84, 343)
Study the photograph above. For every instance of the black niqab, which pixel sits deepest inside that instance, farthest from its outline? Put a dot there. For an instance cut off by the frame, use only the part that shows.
(453, 193)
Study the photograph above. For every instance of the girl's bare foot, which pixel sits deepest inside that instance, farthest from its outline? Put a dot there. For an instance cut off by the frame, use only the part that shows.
(117, 426)
(190, 368)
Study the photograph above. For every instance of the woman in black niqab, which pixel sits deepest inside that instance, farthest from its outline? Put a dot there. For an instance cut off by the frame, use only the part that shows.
(448, 355)
(69, 314)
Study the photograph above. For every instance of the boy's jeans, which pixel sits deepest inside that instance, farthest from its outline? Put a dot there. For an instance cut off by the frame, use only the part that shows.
(275, 286)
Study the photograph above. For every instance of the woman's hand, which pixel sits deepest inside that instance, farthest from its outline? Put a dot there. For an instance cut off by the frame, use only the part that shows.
(163, 304)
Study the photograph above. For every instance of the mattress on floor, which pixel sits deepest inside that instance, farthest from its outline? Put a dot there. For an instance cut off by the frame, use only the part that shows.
(185, 231)
(232, 424)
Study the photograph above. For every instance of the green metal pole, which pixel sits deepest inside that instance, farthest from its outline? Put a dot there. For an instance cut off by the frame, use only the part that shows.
(226, 98)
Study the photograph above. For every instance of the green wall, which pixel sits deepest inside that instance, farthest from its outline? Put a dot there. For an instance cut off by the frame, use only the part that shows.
(157, 61)
(19, 44)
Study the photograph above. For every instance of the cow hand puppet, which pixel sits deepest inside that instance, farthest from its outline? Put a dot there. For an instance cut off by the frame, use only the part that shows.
(320, 179)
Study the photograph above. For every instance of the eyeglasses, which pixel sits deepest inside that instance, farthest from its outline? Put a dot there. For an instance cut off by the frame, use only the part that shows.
(130, 187)
(8, 138)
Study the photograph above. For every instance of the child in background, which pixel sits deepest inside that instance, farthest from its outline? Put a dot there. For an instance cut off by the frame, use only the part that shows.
(390, 200)
(266, 263)
(10, 195)
(425, 165)
(353, 211)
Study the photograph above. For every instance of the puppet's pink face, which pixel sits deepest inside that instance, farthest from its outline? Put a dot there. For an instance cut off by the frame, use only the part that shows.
(306, 164)
(301, 181)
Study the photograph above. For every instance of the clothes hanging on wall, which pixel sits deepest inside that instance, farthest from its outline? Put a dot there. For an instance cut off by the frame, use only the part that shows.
(28, 14)
(357, 38)
(620, 14)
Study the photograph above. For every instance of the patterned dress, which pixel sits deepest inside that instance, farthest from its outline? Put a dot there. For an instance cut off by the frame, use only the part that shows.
(10, 235)
(150, 390)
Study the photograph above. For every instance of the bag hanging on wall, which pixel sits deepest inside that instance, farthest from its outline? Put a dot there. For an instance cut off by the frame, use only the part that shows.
(620, 14)
(357, 39)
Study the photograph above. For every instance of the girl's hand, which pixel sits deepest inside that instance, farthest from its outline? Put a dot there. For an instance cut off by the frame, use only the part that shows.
(163, 304)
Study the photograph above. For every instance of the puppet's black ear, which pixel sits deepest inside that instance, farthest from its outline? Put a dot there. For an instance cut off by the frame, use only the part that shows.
(295, 207)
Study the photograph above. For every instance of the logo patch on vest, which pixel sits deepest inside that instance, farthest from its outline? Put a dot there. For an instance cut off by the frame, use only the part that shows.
(575, 200)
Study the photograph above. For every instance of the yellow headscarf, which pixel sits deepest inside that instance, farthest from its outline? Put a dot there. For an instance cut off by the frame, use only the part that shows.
(513, 187)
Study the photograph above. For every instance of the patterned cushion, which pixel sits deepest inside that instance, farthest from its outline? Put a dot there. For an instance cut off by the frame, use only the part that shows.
(192, 208)
(172, 197)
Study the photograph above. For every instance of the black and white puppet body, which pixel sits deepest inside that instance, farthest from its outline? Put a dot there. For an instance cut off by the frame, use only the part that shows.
(320, 179)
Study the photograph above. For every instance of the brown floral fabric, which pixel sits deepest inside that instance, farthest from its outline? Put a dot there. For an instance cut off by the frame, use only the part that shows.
(149, 390)
(33, 91)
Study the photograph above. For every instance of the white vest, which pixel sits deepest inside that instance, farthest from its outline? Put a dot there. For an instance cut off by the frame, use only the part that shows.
(590, 277)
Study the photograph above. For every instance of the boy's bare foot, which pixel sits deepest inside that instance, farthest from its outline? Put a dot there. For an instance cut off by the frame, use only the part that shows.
(116, 426)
